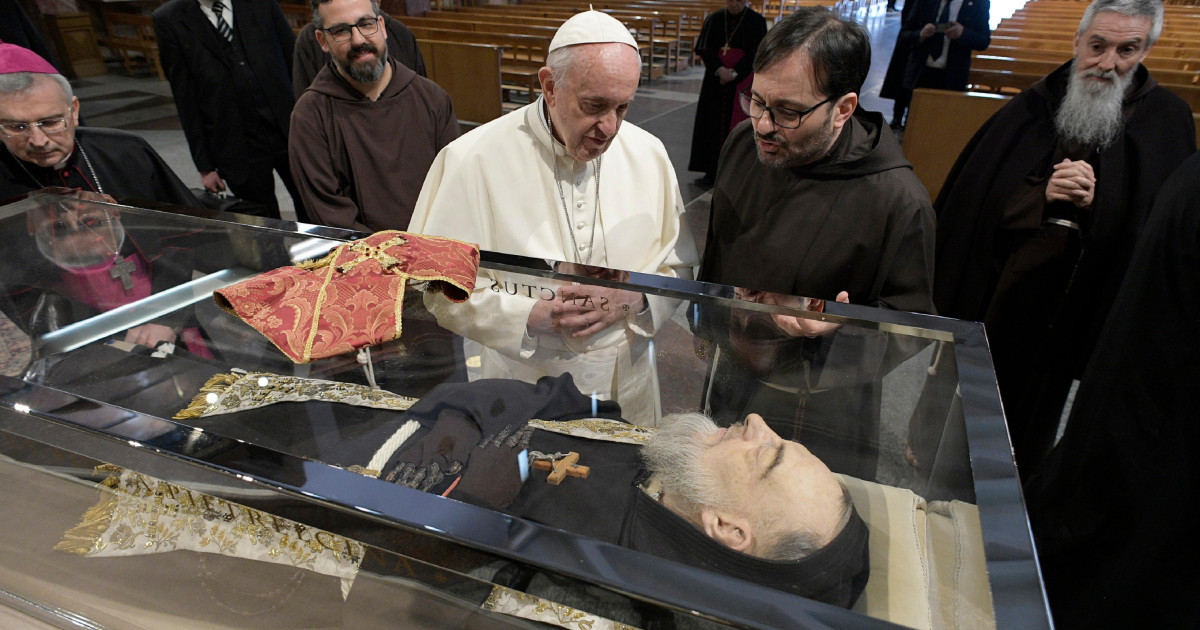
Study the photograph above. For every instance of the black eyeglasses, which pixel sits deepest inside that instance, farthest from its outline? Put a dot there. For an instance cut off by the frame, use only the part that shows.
(47, 125)
(366, 26)
(781, 117)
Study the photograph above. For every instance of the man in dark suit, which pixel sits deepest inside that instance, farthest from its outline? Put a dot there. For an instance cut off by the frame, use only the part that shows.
(942, 34)
(229, 63)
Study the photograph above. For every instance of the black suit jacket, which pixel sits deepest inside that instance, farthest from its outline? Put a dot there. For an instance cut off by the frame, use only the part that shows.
(200, 69)
(974, 16)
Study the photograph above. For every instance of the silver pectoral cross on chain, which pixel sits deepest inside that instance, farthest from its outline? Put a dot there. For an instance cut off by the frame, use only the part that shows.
(123, 269)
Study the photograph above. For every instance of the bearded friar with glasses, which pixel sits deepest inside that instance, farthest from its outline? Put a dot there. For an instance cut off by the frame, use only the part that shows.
(364, 134)
(45, 147)
(813, 197)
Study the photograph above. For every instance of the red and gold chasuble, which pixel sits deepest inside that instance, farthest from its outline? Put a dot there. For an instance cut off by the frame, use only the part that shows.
(352, 297)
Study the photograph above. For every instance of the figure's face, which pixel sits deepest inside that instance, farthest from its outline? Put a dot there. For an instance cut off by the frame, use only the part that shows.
(735, 6)
(361, 57)
(778, 480)
(1112, 46)
(43, 101)
(790, 83)
(587, 109)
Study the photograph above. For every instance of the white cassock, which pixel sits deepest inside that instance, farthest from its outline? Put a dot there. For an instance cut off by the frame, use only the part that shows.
(495, 186)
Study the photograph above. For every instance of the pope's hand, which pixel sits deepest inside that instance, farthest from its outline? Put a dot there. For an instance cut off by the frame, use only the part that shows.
(584, 310)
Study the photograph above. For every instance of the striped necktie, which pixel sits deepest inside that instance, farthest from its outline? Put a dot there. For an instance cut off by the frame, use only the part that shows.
(223, 27)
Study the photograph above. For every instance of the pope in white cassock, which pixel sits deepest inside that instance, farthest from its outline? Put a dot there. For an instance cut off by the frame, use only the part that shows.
(554, 180)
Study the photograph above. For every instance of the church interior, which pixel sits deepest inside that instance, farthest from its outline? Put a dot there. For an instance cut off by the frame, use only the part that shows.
(270, 528)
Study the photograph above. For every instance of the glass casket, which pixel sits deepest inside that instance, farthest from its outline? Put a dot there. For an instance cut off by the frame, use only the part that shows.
(215, 482)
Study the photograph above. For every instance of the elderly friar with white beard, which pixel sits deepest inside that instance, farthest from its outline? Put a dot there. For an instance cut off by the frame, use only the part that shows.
(1038, 218)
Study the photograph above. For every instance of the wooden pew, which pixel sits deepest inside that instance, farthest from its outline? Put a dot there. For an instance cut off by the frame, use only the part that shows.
(131, 36)
(522, 55)
(1061, 57)
(933, 146)
(930, 143)
(647, 31)
(1064, 44)
(1043, 67)
(470, 74)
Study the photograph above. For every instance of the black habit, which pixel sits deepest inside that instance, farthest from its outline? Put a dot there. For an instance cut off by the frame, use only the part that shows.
(1114, 510)
(125, 166)
(1044, 290)
(467, 448)
(718, 103)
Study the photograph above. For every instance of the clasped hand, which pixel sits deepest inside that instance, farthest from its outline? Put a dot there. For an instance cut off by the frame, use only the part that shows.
(582, 310)
(1072, 181)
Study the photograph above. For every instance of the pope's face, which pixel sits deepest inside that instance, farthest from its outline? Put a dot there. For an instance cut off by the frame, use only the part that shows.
(587, 109)
(1112, 46)
(790, 83)
(360, 57)
(42, 101)
(773, 477)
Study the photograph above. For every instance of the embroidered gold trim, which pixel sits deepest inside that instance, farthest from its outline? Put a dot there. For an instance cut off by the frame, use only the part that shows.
(139, 514)
(317, 308)
(522, 605)
(601, 429)
(231, 393)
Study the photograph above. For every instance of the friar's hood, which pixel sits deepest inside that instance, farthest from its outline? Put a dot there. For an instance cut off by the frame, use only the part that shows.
(835, 574)
(865, 146)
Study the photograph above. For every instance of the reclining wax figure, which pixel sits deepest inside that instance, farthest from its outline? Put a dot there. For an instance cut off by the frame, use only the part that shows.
(811, 380)
(738, 500)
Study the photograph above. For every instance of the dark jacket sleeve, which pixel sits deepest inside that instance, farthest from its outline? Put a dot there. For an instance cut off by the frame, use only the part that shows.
(183, 87)
(283, 31)
(977, 31)
(307, 59)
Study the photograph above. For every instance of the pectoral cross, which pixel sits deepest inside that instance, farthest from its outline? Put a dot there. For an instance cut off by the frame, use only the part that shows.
(123, 269)
(725, 49)
(562, 468)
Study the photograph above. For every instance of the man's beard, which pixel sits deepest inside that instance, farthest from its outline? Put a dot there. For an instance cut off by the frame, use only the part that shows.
(807, 151)
(364, 71)
(674, 455)
(1090, 113)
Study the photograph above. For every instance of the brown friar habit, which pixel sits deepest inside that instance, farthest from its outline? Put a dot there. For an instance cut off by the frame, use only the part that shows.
(1043, 290)
(857, 221)
(359, 164)
(717, 103)
(1114, 509)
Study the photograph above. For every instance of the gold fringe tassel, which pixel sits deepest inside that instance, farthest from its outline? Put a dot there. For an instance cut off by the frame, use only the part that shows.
(82, 538)
(318, 263)
(215, 385)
